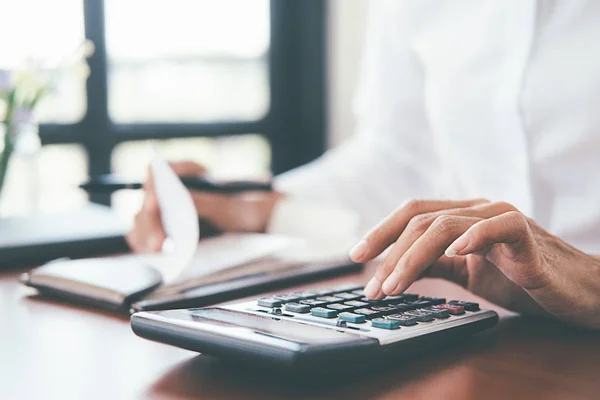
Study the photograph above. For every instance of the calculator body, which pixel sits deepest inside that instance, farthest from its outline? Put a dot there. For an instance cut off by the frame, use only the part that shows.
(265, 331)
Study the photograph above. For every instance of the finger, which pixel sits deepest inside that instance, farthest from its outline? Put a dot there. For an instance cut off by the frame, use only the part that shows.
(187, 168)
(417, 227)
(425, 251)
(518, 257)
(452, 269)
(148, 225)
(209, 205)
(386, 233)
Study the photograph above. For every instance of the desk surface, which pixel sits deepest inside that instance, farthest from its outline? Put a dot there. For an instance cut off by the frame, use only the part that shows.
(54, 350)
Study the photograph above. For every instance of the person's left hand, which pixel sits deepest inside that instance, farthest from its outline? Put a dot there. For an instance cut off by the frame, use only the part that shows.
(490, 248)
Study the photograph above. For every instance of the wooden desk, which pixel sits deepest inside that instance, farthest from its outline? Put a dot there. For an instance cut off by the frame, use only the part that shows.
(54, 350)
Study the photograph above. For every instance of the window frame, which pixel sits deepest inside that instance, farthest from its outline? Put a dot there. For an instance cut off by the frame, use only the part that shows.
(294, 124)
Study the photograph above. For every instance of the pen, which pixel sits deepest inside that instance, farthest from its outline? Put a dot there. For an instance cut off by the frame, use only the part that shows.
(111, 183)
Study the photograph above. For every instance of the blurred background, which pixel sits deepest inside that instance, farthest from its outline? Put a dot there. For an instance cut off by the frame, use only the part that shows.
(249, 88)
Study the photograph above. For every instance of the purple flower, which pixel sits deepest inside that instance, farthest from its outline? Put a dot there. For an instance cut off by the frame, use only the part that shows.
(5, 80)
(22, 115)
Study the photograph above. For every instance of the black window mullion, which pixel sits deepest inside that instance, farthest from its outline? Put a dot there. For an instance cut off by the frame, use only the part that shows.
(95, 125)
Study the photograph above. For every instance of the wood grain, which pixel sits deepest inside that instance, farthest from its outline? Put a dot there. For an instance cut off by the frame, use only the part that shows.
(50, 349)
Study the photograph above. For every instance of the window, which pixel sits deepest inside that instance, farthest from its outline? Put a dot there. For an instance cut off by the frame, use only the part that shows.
(245, 77)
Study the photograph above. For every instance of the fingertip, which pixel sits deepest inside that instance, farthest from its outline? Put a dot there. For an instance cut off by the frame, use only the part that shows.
(358, 252)
(458, 247)
(390, 287)
(373, 289)
(155, 242)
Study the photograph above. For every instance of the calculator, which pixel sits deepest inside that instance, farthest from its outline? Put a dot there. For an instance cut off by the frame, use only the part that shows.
(328, 328)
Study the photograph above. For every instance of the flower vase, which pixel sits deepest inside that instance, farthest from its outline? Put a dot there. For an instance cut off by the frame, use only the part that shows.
(19, 176)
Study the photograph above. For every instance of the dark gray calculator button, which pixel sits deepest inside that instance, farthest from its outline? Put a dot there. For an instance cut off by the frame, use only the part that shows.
(434, 301)
(368, 313)
(347, 296)
(297, 308)
(409, 296)
(437, 313)
(339, 307)
(287, 297)
(356, 303)
(420, 316)
(382, 310)
(313, 303)
(329, 299)
(269, 302)
(403, 319)
(305, 295)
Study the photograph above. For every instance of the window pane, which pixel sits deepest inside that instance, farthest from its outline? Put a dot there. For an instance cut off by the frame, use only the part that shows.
(235, 157)
(187, 60)
(54, 187)
(47, 31)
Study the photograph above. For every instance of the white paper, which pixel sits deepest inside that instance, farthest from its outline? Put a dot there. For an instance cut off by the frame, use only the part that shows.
(179, 219)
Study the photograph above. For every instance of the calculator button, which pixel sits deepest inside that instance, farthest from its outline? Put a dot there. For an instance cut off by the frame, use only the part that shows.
(323, 312)
(340, 307)
(403, 307)
(367, 312)
(433, 300)
(452, 309)
(394, 299)
(269, 302)
(359, 292)
(347, 296)
(297, 308)
(469, 306)
(404, 320)
(420, 304)
(287, 297)
(420, 316)
(329, 299)
(437, 313)
(382, 310)
(351, 317)
(356, 303)
(346, 288)
(409, 296)
(305, 295)
(313, 302)
(323, 292)
(372, 302)
(385, 323)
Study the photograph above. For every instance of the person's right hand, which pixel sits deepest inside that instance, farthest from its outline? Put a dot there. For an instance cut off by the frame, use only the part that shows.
(245, 212)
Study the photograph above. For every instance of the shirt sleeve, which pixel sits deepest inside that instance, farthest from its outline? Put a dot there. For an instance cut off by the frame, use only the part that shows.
(391, 157)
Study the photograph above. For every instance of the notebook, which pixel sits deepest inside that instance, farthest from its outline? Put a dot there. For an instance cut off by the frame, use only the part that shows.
(185, 263)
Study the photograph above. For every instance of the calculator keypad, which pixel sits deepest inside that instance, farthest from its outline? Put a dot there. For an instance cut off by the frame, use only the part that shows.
(349, 306)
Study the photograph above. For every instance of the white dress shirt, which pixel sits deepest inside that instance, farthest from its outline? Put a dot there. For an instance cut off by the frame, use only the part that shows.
(497, 99)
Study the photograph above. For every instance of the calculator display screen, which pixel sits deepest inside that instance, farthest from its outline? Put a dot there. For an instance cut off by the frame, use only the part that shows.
(282, 329)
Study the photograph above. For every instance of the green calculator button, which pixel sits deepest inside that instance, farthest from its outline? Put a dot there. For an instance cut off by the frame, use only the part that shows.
(323, 312)
(350, 317)
(385, 323)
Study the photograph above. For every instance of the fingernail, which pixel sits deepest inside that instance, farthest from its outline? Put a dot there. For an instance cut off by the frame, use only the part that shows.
(358, 250)
(373, 289)
(459, 245)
